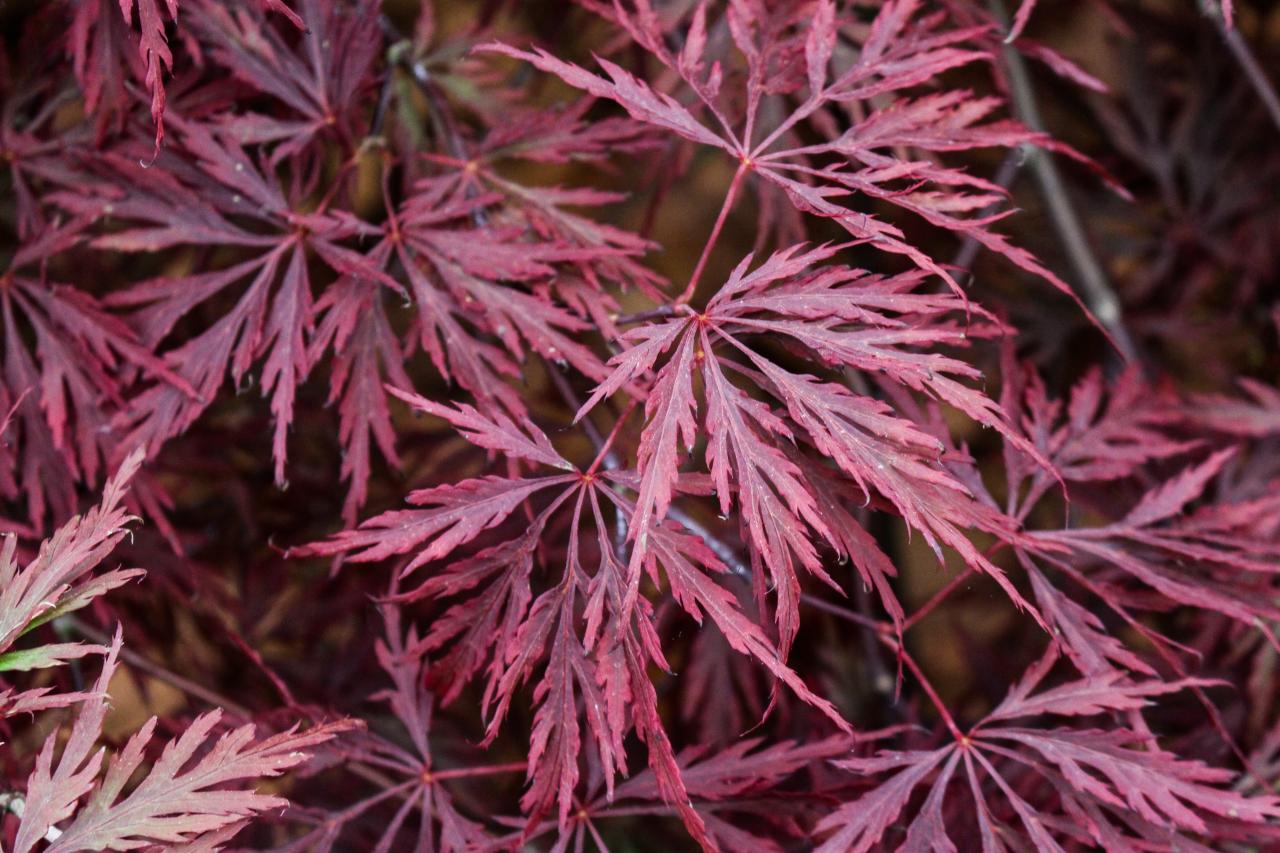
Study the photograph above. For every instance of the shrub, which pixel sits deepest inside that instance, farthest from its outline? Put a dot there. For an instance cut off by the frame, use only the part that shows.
(647, 426)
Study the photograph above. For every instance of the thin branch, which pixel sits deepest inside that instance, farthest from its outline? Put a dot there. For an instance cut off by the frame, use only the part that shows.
(882, 680)
(727, 554)
(843, 613)
(1244, 57)
(662, 312)
(384, 103)
(204, 694)
(1013, 162)
(1098, 293)
(155, 670)
(574, 402)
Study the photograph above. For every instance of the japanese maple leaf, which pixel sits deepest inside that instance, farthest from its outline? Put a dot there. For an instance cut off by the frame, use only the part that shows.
(468, 316)
(1207, 558)
(1113, 788)
(98, 40)
(153, 47)
(1103, 432)
(180, 797)
(472, 316)
(558, 136)
(416, 779)
(273, 316)
(593, 652)
(740, 780)
(900, 52)
(68, 364)
(33, 148)
(60, 579)
(722, 693)
(1149, 551)
(506, 624)
(477, 268)
(354, 324)
(836, 317)
(105, 55)
(62, 390)
(320, 79)
(1255, 413)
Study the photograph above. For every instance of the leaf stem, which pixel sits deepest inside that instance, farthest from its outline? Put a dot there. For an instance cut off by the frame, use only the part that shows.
(482, 770)
(604, 453)
(927, 686)
(729, 198)
(938, 597)
(882, 633)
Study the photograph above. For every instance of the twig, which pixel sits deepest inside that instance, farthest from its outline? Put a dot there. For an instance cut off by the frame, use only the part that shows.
(843, 612)
(384, 102)
(204, 694)
(1244, 57)
(937, 598)
(443, 121)
(882, 681)
(570, 397)
(137, 661)
(1005, 176)
(1098, 293)
(660, 313)
(727, 554)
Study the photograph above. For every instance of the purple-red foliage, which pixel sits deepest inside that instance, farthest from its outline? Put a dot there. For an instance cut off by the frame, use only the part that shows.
(631, 424)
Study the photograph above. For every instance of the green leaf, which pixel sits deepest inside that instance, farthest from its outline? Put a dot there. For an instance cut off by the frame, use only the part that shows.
(43, 657)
